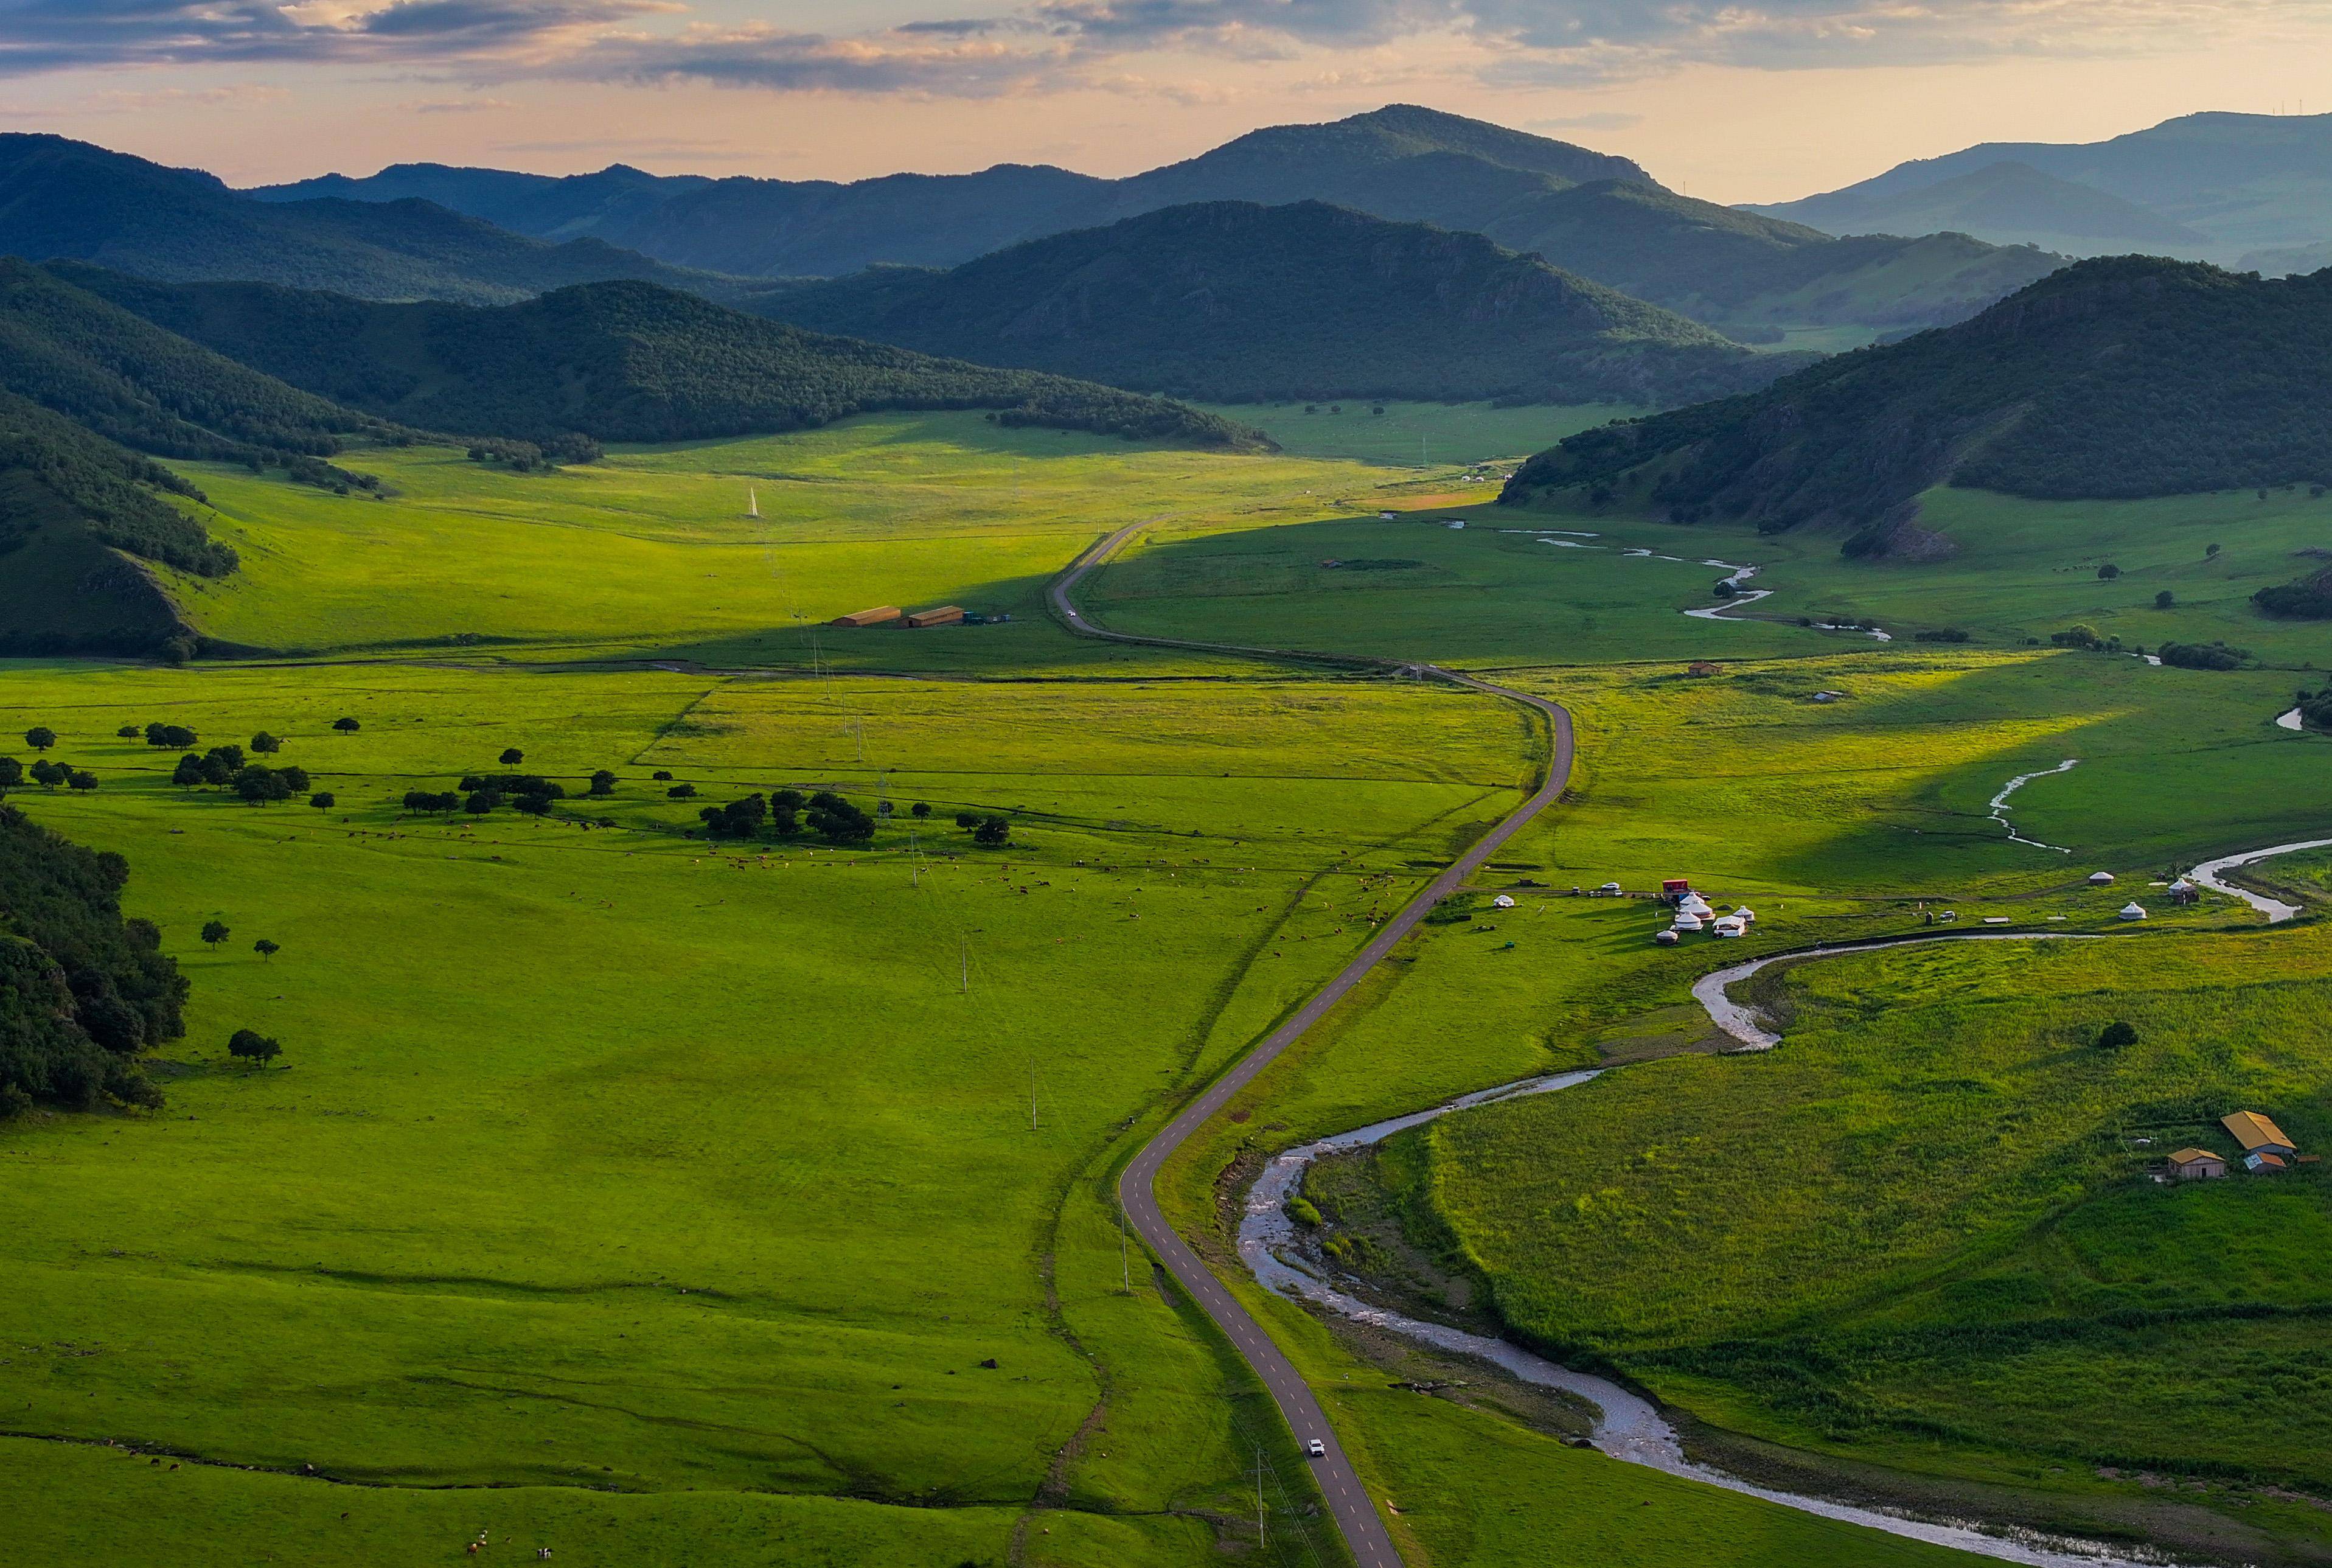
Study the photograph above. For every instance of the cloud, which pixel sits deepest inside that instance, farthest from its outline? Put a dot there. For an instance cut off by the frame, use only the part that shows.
(38, 36)
(1603, 119)
(1055, 44)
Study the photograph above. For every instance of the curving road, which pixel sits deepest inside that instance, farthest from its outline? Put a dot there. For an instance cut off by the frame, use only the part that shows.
(1348, 1502)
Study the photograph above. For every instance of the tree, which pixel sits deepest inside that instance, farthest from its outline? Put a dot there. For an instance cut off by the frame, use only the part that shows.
(189, 772)
(214, 932)
(920, 810)
(2116, 1035)
(48, 775)
(12, 775)
(347, 726)
(2165, 599)
(265, 744)
(966, 821)
(661, 776)
(680, 791)
(295, 778)
(738, 819)
(2211, 551)
(253, 1046)
(264, 948)
(603, 782)
(482, 802)
(322, 800)
(993, 833)
(127, 731)
(40, 737)
(512, 757)
(79, 778)
(788, 799)
(2108, 571)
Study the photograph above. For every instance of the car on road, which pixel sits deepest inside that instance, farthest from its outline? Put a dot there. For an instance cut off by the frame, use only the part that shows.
(1318, 1450)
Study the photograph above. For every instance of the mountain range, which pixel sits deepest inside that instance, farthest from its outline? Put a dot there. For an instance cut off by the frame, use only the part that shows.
(1235, 302)
(2251, 190)
(1600, 217)
(61, 198)
(2116, 378)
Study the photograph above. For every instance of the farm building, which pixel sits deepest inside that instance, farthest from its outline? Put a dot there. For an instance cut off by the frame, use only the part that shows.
(2196, 1165)
(1673, 889)
(1703, 667)
(2257, 1134)
(883, 616)
(945, 615)
(2260, 1162)
(1729, 925)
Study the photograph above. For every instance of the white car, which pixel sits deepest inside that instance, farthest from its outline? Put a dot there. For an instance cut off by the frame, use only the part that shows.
(1318, 1450)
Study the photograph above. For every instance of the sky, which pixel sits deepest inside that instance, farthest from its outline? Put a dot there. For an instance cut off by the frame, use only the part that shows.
(1733, 101)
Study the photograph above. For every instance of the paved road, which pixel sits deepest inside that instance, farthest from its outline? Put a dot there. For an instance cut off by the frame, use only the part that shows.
(1356, 1517)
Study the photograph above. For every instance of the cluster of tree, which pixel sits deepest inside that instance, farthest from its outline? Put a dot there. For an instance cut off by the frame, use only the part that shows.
(48, 775)
(2309, 598)
(1231, 301)
(2117, 377)
(2315, 708)
(616, 362)
(2203, 655)
(261, 784)
(558, 450)
(528, 792)
(988, 829)
(432, 803)
(251, 1046)
(176, 737)
(116, 495)
(788, 814)
(84, 992)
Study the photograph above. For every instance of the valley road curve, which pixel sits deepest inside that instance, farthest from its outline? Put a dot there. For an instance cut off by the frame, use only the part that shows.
(1348, 1501)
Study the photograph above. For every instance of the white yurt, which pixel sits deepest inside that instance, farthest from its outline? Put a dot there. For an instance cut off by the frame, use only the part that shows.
(2131, 911)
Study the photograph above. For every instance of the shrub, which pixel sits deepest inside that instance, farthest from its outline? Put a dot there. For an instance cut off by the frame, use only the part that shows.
(680, 791)
(2116, 1035)
(2078, 636)
(2165, 599)
(2108, 571)
(2205, 656)
(322, 800)
(1942, 634)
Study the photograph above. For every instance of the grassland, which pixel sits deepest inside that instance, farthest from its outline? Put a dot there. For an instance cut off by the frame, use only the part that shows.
(1418, 435)
(623, 1191)
(651, 554)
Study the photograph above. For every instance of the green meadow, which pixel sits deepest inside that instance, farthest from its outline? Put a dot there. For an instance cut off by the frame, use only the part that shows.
(663, 1200)
(1420, 434)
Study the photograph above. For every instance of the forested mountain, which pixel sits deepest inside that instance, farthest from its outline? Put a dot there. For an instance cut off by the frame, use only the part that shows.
(2240, 182)
(133, 382)
(2116, 378)
(1231, 301)
(617, 361)
(61, 198)
(1404, 163)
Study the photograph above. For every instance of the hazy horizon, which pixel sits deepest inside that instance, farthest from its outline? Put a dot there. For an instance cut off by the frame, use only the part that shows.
(1731, 103)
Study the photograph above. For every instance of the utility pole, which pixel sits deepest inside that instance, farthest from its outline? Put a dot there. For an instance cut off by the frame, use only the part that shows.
(1032, 1093)
(967, 965)
(1124, 1263)
(1260, 1540)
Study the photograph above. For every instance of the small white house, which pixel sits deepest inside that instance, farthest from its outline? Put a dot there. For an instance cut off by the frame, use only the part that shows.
(1729, 925)
(2101, 879)
(2131, 911)
(1685, 921)
(1745, 914)
(1503, 901)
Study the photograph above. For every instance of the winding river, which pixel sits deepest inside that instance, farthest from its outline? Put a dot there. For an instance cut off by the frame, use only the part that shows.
(1627, 1426)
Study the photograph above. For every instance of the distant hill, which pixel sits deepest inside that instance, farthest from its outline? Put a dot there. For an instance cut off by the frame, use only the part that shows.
(2239, 182)
(1737, 269)
(2118, 377)
(1402, 163)
(2011, 203)
(1229, 301)
(61, 198)
(69, 501)
(616, 361)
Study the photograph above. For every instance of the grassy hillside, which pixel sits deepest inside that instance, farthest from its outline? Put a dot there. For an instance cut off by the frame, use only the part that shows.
(1232, 302)
(616, 362)
(2089, 384)
(61, 198)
